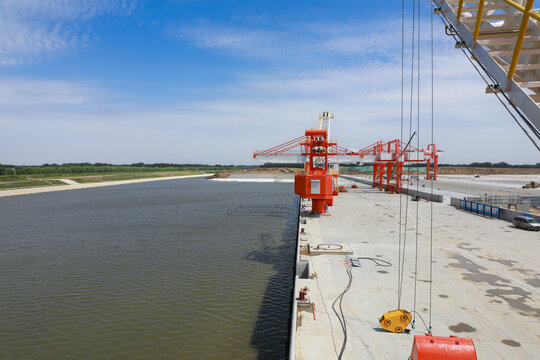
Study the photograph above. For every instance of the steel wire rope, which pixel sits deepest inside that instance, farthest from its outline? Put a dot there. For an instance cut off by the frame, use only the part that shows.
(432, 179)
(401, 137)
(417, 170)
(408, 168)
(421, 318)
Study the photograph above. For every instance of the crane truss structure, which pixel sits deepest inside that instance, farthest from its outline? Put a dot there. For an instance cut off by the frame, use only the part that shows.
(388, 158)
(318, 182)
(300, 150)
(502, 40)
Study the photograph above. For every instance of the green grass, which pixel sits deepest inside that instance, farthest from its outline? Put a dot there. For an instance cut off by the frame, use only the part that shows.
(21, 181)
(29, 183)
(131, 176)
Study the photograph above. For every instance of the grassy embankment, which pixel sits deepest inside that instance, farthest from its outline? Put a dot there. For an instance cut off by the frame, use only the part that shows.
(51, 175)
(23, 183)
(14, 182)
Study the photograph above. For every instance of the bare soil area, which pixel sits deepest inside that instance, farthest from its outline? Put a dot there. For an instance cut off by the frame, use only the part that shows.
(464, 170)
(223, 175)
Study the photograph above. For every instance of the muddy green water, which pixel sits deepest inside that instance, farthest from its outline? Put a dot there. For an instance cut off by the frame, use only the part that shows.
(180, 269)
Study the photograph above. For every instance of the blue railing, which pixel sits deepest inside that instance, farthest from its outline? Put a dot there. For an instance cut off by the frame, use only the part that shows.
(477, 208)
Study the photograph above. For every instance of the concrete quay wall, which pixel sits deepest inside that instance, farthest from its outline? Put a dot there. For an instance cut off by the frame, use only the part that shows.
(302, 271)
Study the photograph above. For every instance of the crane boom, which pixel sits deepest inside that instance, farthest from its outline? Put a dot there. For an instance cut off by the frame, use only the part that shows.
(502, 40)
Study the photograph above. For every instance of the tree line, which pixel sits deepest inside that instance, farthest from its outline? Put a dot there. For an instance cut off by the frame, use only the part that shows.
(501, 164)
(98, 168)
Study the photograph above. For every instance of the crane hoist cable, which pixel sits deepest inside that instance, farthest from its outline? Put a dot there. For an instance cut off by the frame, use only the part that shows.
(431, 181)
(401, 137)
(417, 171)
(402, 255)
(400, 315)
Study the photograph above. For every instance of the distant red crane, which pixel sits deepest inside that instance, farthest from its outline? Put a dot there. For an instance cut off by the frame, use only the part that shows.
(318, 182)
(389, 158)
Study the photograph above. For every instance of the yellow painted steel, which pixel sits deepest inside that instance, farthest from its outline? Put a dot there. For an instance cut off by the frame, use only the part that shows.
(395, 321)
(519, 40)
(517, 6)
(479, 13)
(459, 9)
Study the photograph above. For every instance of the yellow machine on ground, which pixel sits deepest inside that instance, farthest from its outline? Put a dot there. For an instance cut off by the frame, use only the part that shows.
(395, 321)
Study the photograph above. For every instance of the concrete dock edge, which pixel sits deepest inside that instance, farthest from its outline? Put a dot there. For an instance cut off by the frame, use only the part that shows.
(299, 270)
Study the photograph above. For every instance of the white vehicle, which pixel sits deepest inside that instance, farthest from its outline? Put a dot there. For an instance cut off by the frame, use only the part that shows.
(526, 223)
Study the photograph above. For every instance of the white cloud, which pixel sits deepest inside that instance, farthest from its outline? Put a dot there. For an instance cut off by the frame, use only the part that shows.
(34, 31)
(300, 42)
(18, 94)
(262, 109)
(266, 110)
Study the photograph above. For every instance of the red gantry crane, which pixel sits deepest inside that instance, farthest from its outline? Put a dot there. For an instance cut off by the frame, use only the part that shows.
(318, 182)
(388, 159)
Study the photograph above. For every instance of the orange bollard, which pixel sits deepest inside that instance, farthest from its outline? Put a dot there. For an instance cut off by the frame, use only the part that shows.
(428, 347)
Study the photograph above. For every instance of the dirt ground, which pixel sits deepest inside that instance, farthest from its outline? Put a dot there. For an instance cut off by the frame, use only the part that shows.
(463, 170)
(443, 170)
(223, 175)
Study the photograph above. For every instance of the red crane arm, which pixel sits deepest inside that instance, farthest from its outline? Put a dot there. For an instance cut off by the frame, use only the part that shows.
(285, 149)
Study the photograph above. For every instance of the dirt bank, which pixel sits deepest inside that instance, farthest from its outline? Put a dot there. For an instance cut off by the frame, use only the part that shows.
(465, 170)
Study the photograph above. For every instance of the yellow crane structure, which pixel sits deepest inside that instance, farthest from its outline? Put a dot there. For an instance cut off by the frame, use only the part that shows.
(501, 38)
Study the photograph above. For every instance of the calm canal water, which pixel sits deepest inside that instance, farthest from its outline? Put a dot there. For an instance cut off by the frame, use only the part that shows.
(180, 269)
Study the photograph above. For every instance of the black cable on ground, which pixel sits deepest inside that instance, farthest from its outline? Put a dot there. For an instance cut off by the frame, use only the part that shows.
(377, 261)
(340, 315)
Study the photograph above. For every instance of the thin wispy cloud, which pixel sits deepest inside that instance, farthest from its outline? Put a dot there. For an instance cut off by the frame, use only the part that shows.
(19, 94)
(297, 41)
(35, 31)
(266, 109)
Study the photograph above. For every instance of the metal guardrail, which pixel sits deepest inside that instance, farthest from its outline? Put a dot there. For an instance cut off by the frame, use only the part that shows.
(504, 201)
(477, 208)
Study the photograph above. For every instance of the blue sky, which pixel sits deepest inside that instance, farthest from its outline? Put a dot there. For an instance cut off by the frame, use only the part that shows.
(125, 81)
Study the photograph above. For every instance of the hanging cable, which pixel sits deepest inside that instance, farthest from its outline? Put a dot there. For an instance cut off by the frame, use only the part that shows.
(417, 168)
(401, 134)
(408, 168)
(432, 178)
